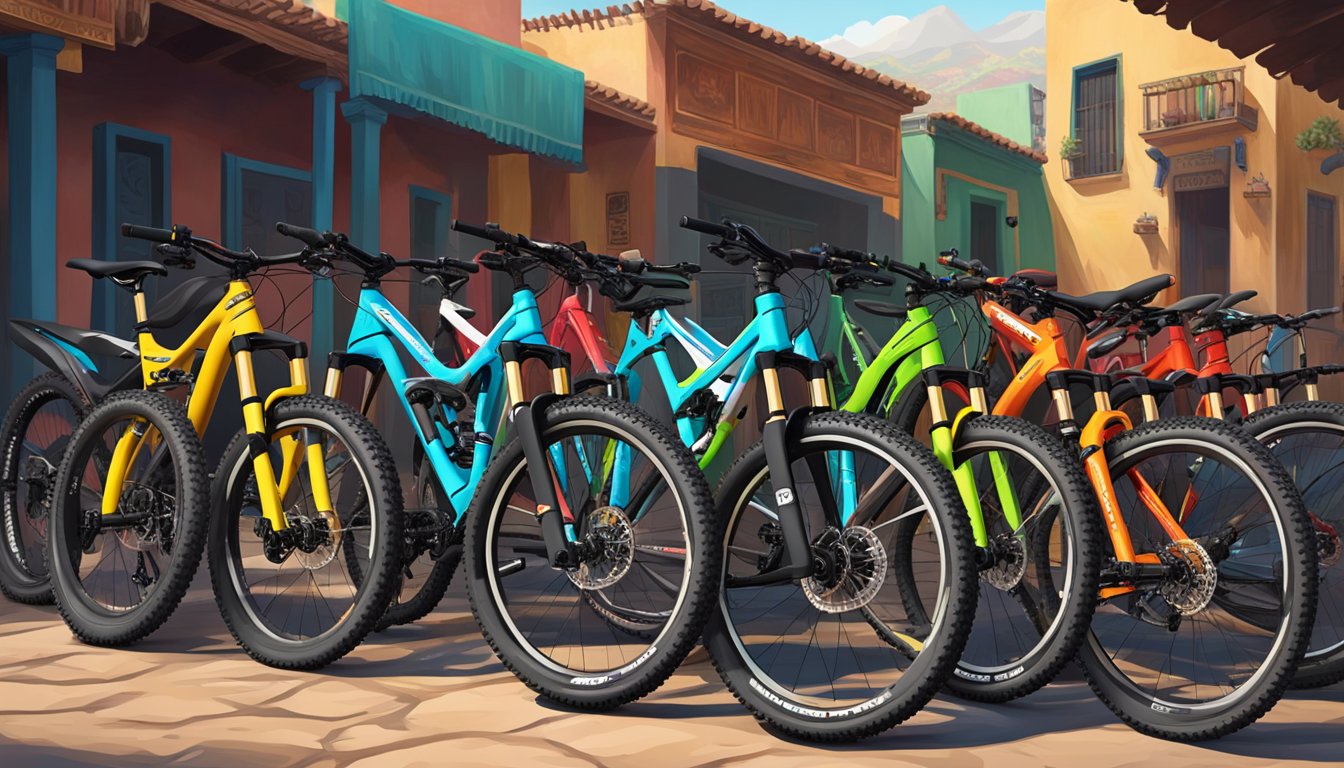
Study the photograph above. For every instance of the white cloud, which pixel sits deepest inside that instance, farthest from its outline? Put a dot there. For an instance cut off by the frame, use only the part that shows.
(866, 33)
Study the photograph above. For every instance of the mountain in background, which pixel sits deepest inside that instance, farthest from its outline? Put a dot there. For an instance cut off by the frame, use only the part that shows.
(936, 51)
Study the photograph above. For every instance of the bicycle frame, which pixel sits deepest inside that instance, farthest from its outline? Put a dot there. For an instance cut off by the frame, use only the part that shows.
(767, 332)
(231, 330)
(916, 350)
(381, 332)
(841, 332)
(1048, 365)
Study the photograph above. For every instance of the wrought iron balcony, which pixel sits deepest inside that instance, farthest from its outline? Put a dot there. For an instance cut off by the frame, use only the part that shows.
(1197, 103)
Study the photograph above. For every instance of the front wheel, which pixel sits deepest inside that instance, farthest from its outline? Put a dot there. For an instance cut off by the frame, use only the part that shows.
(1038, 569)
(802, 655)
(294, 598)
(1205, 635)
(663, 555)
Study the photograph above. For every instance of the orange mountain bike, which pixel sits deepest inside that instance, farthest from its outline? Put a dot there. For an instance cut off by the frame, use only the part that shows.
(1208, 588)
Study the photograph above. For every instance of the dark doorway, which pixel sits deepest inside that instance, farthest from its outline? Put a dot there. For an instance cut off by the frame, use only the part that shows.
(985, 235)
(1205, 242)
(1322, 252)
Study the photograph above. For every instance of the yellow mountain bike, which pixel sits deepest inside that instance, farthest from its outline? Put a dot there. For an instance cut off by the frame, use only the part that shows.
(298, 584)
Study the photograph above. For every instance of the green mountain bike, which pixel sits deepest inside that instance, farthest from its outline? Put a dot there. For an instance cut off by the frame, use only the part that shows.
(1031, 509)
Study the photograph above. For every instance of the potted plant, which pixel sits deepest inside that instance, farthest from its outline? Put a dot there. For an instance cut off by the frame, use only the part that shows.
(1145, 224)
(1071, 152)
(1322, 138)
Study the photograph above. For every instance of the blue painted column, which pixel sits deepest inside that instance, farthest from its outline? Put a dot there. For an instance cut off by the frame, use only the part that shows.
(324, 192)
(31, 94)
(366, 122)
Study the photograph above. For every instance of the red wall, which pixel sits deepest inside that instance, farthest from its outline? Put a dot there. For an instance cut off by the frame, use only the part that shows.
(499, 19)
(207, 110)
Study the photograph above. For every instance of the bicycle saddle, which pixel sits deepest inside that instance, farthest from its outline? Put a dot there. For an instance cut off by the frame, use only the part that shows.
(643, 305)
(119, 272)
(882, 308)
(1139, 293)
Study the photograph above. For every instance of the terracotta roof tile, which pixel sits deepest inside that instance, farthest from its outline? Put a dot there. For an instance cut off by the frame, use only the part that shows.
(291, 16)
(806, 49)
(635, 107)
(988, 135)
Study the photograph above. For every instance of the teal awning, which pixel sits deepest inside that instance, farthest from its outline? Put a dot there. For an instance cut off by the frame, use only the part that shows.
(513, 97)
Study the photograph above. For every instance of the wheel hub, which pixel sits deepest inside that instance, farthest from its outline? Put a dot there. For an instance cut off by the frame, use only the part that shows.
(608, 544)
(316, 539)
(1009, 557)
(154, 511)
(1191, 577)
(850, 566)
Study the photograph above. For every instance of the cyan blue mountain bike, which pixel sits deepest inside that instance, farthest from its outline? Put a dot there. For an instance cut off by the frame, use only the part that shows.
(546, 523)
(807, 633)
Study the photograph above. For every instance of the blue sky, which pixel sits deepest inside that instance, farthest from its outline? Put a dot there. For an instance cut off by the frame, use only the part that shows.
(817, 20)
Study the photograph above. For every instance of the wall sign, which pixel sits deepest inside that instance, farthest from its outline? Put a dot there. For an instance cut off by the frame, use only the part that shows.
(618, 218)
(1205, 169)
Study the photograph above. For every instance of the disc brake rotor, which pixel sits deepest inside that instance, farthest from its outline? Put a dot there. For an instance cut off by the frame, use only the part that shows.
(1193, 578)
(858, 567)
(325, 530)
(1010, 562)
(607, 531)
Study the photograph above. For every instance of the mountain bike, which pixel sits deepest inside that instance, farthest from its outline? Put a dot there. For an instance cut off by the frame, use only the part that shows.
(1031, 511)
(809, 511)
(1208, 588)
(1306, 436)
(130, 502)
(546, 520)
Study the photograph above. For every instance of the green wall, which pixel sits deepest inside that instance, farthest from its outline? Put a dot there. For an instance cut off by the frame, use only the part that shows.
(1005, 110)
(952, 149)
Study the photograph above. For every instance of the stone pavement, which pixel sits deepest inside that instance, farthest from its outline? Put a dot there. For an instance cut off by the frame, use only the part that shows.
(433, 694)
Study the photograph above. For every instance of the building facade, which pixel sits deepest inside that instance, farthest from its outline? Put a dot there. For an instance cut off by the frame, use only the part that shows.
(1182, 159)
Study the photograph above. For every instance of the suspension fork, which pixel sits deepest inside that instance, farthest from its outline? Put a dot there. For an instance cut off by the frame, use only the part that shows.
(254, 424)
(553, 513)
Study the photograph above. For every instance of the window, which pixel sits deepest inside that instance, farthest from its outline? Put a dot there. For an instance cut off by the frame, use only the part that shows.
(1322, 252)
(131, 184)
(1097, 119)
(256, 195)
(431, 213)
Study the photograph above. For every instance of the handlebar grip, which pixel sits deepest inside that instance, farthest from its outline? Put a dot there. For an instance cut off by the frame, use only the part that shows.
(706, 227)
(493, 234)
(152, 234)
(305, 235)
(847, 253)
(953, 260)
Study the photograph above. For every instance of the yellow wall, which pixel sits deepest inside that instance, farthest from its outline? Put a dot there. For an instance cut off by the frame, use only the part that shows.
(1093, 219)
(615, 56)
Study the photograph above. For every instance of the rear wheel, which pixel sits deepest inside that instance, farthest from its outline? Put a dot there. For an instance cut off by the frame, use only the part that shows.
(1203, 640)
(36, 431)
(294, 598)
(1308, 439)
(118, 577)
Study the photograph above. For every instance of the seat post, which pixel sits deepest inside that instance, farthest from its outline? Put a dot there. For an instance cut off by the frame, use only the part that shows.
(138, 294)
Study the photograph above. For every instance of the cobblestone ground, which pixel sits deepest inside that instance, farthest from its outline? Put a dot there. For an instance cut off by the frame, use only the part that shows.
(433, 694)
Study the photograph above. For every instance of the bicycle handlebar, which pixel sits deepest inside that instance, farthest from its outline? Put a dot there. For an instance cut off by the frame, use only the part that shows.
(709, 228)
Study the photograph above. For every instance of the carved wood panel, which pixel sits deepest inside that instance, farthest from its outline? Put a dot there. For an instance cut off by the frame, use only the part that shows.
(738, 97)
(90, 21)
